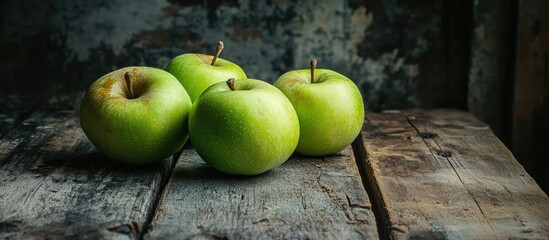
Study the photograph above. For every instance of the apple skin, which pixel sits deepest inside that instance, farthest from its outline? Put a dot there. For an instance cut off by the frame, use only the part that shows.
(244, 132)
(331, 110)
(195, 72)
(143, 130)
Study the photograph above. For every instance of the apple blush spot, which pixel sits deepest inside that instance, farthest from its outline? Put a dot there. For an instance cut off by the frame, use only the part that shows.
(106, 88)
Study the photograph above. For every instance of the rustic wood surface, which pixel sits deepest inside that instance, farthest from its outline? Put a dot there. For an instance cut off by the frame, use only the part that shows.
(443, 174)
(54, 184)
(509, 199)
(429, 174)
(305, 198)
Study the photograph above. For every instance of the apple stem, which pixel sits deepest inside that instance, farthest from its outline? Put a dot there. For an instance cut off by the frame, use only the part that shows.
(220, 47)
(313, 66)
(230, 83)
(129, 83)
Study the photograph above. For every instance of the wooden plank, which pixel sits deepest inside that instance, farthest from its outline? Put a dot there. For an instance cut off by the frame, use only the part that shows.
(305, 198)
(417, 195)
(509, 199)
(530, 126)
(55, 184)
(443, 174)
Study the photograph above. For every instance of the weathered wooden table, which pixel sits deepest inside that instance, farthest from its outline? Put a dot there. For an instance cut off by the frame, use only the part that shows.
(411, 174)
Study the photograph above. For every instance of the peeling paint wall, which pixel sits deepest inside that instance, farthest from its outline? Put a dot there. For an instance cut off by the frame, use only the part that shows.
(396, 51)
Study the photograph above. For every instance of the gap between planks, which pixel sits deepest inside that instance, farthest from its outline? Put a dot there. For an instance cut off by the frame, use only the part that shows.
(160, 195)
(369, 183)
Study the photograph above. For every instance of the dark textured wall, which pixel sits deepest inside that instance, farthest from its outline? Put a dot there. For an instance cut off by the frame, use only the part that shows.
(401, 53)
(530, 119)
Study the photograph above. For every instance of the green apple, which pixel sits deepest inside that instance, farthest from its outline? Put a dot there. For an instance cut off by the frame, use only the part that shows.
(243, 127)
(329, 106)
(136, 115)
(196, 72)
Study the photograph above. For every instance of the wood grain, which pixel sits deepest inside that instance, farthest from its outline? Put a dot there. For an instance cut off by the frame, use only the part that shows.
(55, 184)
(443, 174)
(305, 198)
(509, 199)
(433, 174)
